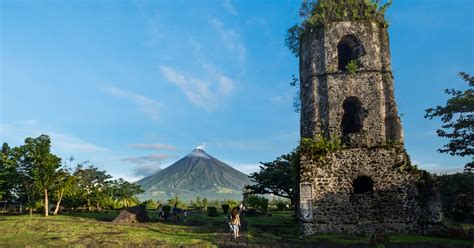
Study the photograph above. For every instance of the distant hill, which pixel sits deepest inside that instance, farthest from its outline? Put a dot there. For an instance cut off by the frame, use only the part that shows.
(197, 174)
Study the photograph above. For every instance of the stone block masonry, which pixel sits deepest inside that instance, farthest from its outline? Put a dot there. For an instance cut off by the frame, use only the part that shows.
(347, 93)
(360, 190)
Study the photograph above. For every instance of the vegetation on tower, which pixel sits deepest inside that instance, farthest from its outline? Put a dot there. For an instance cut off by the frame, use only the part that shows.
(317, 13)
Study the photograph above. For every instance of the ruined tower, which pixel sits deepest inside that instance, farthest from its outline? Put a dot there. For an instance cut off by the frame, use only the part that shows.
(347, 94)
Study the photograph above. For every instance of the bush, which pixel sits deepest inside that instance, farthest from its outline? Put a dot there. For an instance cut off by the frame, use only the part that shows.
(175, 201)
(281, 205)
(166, 209)
(457, 194)
(150, 204)
(264, 204)
(256, 201)
(225, 208)
(212, 211)
(232, 203)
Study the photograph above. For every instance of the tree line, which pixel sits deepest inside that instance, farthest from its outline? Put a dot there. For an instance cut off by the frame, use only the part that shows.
(33, 176)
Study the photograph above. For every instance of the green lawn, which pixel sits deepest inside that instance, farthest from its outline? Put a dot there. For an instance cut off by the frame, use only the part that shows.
(280, 227)
(92, 229)
(77, 230)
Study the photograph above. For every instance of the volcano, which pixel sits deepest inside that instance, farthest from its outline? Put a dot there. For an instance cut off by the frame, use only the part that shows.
(196, 174)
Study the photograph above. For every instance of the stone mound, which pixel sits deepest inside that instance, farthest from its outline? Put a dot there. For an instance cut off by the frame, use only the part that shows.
(132, 215)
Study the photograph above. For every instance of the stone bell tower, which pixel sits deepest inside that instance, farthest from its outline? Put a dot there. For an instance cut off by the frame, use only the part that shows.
(347, 94)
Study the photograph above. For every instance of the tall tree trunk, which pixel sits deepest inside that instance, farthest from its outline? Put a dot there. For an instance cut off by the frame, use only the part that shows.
(59, 202)
(30, 204)
(46, 203)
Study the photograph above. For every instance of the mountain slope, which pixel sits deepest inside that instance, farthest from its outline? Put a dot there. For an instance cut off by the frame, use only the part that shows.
(197, 174)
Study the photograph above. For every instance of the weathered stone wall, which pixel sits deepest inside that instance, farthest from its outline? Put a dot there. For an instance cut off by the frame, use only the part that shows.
(324, 88)
(369, 89)
(328, 201)
(391, 206)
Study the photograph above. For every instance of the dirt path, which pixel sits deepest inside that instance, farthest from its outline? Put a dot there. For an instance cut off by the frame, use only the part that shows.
(226, 238)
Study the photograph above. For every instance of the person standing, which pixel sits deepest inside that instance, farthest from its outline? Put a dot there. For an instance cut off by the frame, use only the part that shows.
(235, 221)
(159, 210)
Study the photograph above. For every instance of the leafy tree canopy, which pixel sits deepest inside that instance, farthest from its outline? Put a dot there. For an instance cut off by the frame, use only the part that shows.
(317, 13)
(458, 121)
(277, 177)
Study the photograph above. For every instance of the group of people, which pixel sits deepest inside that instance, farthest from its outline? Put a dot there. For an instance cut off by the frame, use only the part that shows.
(234, 218)
(175, 211)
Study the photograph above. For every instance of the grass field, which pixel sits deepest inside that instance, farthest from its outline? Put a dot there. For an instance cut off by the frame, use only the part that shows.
(95, 229)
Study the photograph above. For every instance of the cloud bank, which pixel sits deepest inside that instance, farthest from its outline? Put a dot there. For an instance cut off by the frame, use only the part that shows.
(201, 92)
(146, 105)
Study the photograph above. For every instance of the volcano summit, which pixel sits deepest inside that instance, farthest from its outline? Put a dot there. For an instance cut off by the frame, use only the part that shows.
(196, 174)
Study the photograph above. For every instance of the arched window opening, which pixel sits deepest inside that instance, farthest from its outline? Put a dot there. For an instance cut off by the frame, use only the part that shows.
(353, 117)
(348, 49)
(363, 184)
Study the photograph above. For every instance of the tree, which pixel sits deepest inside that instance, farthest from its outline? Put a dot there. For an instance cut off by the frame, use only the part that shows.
(150, 204)
(458, 121)
(8, 175)
(457, 194)
(277, 177)
(25, 185)
(63, 186)
(92, 185)
(44, 164)
(176, 201)
(124, 191)
(205, 203)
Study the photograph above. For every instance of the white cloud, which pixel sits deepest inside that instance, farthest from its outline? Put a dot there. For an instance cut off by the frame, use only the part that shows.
(147, 165)
(256, 144)
(438, 168)
(230, 38)
(145, 170)
(245, 168)
(64, 142)
(154, 147)
(148, 159)
(201, 146)
(229, 7)
(146, 105)
(202, 93)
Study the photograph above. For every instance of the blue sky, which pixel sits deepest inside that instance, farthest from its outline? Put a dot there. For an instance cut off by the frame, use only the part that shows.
(136, 85)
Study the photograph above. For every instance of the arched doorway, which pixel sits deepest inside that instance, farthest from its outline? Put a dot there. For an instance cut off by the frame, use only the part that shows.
(363, 184)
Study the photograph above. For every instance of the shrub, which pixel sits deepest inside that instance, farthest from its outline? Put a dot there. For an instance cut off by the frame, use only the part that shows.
(256, 201)
(176, 201)
(167, 209)
(352, 67)
(457, 194)
(281, 205)
(264, 204)
(225, 208)
(232, 203)
(212, 211)
(150, 204)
